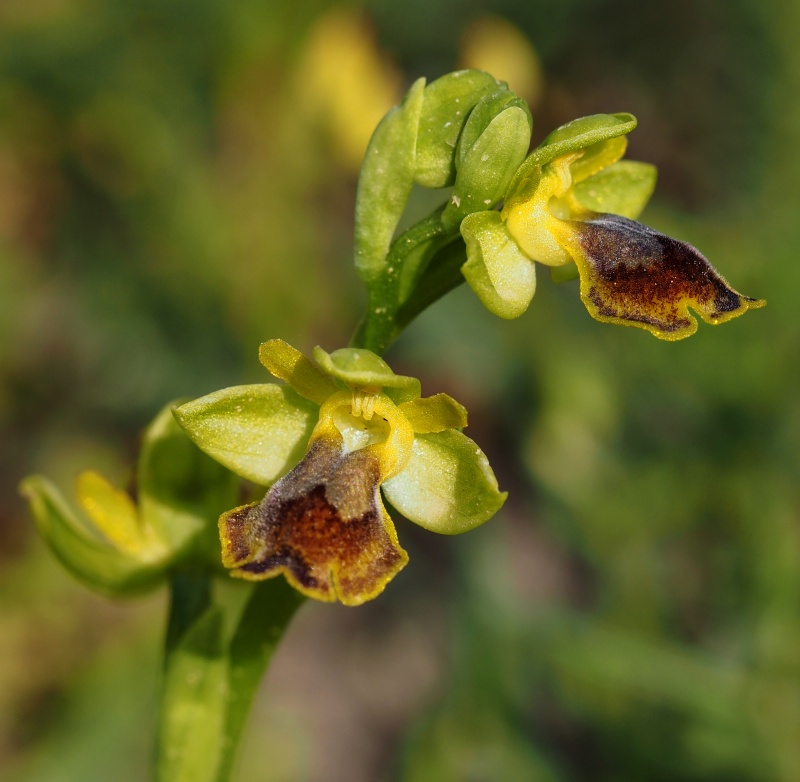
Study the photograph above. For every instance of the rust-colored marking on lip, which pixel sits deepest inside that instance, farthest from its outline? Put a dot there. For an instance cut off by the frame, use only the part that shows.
(322, 525)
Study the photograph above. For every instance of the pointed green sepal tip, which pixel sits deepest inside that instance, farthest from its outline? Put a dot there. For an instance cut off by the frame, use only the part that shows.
(92, 558)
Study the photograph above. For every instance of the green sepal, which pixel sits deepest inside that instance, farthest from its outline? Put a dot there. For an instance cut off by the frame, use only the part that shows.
(182, 491)
(385, 182)
(623, 188)
(598, 136)
(260, 432)
(488, 165)
(361, 368)
(447, 485)
(446, 107)
(94, 562)
(502, 276)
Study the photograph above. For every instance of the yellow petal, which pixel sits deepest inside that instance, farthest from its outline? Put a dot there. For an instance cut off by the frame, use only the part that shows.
(112, 511)
(323, 526)
(434, 414)
(635, 276)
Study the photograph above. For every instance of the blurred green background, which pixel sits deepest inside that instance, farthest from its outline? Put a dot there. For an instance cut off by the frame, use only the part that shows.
(176, 185)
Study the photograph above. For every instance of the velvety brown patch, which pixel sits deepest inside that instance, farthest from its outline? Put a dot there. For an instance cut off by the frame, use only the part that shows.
(631, 274)
(322, 525)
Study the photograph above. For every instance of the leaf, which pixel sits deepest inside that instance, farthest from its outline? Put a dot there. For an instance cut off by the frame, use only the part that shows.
(195, 694)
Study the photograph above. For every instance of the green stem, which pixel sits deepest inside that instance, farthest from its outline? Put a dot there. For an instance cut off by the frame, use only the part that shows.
(266, 616)
(190, 596)
(411, 259)
(212, 673)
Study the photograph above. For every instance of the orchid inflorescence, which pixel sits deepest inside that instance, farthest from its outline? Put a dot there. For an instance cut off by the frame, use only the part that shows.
(344, 428)
(341, 434)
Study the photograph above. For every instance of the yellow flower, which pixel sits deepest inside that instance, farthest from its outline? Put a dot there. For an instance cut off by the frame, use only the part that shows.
(572, 204)
(360, 429)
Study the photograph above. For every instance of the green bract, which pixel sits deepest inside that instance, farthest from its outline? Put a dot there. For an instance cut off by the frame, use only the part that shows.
(122, 548)
(345, 427)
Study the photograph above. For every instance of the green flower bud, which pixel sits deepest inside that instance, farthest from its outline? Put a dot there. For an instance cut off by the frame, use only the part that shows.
(446, 108)
(121, 548)
(490, 151)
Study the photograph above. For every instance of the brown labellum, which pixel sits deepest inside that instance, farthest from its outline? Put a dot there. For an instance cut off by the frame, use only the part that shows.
(633, 275)
(323, 526)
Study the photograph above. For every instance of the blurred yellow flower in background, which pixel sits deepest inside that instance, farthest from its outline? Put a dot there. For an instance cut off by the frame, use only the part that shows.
(495, 45)
(345, 82)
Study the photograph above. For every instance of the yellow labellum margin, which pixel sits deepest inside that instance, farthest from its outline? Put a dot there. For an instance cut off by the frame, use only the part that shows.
(323, 524)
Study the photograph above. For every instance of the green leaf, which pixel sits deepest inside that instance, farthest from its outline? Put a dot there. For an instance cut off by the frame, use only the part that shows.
(446, 106)
(182, 491)
(447, 486)
(488, 165)
(92, 561)
(385, 181)
(267, 614)
(258, 431)
(623, 188)
(502, 276)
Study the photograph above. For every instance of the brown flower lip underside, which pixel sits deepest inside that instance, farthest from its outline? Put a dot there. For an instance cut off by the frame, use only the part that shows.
(643, 276)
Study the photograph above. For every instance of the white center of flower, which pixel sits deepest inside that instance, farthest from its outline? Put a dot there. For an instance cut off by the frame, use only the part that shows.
(358, 425)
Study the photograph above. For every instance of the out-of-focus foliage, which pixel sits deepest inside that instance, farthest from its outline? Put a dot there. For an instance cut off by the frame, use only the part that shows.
(170, 197)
